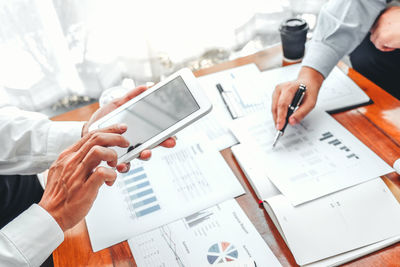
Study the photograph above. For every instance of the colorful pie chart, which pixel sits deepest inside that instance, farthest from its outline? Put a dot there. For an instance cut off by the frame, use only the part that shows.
(222, 252)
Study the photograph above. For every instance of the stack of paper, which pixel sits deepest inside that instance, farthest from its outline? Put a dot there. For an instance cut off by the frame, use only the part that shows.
(346, 220)
(333, 208)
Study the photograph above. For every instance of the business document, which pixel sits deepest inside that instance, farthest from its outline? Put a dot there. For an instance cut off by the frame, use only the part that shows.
(303, 218)
(312, 159)
(173, 184)
(341, 222)
(220, 234)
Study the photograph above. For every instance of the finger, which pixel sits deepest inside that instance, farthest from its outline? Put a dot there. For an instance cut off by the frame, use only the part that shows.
(123, 167)
(95, 156)
(307, 105)
(274, 106)
(145, 154)
(386, 48)
(379, 45)
(284, 101)
(115, 128)
(379, 42)
(169, 143)
(101, 139)
(373, 37)
(100, 176)
(130, 95)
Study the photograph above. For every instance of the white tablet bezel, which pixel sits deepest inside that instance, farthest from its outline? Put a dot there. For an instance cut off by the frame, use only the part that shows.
(194, 88)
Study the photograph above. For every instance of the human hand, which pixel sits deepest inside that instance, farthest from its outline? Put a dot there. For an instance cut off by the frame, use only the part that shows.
(385, 34)
(101, 112)
(75, 177)
(284, 93)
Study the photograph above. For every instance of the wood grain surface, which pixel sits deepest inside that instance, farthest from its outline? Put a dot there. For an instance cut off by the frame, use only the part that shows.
(376, 125)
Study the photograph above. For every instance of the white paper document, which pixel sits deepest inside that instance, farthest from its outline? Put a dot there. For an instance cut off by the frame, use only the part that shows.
(266, 190)
(235, 82)
(237, 263)
(173, 184)
(354, 254)
(253, 168)
(315, 158)
(337, 92)
(340, 222)
(210, 237)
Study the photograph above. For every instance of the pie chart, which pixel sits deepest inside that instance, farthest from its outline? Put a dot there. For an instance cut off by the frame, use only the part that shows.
(222, 252)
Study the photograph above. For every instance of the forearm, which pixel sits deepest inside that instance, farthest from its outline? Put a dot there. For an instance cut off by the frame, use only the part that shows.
(342, 25)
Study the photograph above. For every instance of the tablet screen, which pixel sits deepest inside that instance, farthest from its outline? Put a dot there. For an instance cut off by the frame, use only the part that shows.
(154, 113)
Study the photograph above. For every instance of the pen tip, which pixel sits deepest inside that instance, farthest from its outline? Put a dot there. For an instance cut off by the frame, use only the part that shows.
(278, 134)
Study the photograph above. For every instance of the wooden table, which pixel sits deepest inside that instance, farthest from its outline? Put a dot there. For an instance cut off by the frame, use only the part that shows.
(376, 125)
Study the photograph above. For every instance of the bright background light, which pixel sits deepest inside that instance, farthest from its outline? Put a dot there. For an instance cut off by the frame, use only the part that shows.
(54, 48)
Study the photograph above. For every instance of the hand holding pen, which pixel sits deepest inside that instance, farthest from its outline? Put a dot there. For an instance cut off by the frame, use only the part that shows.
(284, 93)
(298, 97)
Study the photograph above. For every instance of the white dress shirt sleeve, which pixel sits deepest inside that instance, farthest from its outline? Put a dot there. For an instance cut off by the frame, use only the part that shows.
(29, 239)
(342, 25)
(31, 142)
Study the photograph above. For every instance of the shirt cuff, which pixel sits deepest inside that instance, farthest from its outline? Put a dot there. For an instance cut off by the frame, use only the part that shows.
(320, 57)
(34, 234)
(63, 134)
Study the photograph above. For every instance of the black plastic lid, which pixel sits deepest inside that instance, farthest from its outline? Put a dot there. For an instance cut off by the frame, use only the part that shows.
(294, 24)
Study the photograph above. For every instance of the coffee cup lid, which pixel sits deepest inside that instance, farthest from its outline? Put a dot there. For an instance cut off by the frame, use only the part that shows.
(294, 24)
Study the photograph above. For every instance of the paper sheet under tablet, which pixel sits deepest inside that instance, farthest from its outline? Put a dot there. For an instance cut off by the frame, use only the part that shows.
(313, 159)
(173, 184)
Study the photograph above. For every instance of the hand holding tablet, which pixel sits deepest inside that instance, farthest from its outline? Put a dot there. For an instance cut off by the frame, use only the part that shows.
(158, 113)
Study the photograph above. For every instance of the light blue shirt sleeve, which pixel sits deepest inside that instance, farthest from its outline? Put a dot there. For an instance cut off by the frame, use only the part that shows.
(342, 25)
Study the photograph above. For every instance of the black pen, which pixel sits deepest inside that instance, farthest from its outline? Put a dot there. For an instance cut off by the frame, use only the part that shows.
(223, 96)
(298, 97)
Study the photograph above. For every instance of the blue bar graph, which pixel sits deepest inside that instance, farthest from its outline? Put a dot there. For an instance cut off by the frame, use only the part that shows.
(136, 170)
(138, 186)
(141, 196)
(135, 178)
(144, 202)
(148, 210)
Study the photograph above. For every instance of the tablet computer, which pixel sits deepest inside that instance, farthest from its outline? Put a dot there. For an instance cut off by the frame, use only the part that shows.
(158, 113)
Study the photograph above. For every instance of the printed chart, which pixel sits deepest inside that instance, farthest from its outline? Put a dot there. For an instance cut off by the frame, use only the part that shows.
(220, 234)
(222, 252)
(140, 196)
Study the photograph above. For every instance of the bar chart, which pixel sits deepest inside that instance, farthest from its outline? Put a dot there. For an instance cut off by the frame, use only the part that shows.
(140, 195)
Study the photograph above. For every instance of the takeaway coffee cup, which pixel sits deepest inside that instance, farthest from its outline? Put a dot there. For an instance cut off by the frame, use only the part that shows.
(293, 35)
